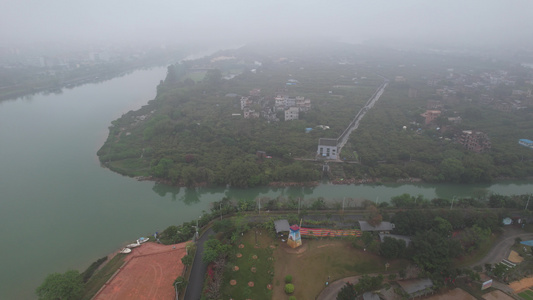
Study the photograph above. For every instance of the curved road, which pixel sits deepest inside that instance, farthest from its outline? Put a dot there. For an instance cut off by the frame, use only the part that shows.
(196, 279)
(502, 247)
(499, 251)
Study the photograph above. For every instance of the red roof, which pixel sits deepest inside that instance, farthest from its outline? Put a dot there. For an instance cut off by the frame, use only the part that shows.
(295, 227)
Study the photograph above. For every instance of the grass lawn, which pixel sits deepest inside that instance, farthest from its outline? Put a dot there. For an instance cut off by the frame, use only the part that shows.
(476, 256)
(255, 264)
(527, 295)
(312, 263)
(101, 276)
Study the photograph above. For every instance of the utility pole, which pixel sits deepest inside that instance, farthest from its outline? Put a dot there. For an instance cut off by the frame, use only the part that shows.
(451, 206)
(527, 202)
(298, 205)
(220, 210)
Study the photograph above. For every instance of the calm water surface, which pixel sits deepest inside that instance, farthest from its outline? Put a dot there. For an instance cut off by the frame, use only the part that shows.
(60, 210)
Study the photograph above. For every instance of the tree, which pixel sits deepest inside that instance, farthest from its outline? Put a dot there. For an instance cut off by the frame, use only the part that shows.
(289, 288)
(392, 248)
(347, 292)
(187, 260)
(368, 283)
(213, 248)
(180, 283)
(432, 252)
(452, 169)
(213, 77)
(68, 285)
(442, 227)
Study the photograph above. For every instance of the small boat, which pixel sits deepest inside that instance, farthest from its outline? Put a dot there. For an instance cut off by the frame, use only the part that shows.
(142, 240)
(133, 245)
(125, 250)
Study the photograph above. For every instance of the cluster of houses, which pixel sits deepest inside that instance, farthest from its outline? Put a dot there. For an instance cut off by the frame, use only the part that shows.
(475, 141)
(452, 85)
(254, 106)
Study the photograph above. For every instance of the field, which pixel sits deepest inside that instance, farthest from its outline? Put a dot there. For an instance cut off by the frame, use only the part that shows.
(527, 295)
(250, 268)
(148, 274)
(318, 261)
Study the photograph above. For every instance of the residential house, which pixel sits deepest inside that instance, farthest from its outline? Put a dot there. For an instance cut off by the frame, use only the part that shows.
(381, 227)
(431, 115)
(245, 102)
(406, 239)
(250, 113)
(417, 287)
(327, 148)
(526, 143)
(291, 113)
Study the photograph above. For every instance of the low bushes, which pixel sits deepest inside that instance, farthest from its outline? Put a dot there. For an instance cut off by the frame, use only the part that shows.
(289, 288)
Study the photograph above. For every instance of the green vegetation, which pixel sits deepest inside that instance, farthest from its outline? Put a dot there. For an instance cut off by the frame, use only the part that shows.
(289, 288)
(365, 284)
(288, 279)
(73, 285)
(187, 135)
(68, 285)
(102, 276)
(92, 268)
(527, 294)
(249, 261)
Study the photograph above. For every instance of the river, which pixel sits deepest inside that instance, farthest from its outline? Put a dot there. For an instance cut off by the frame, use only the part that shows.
(60, 210)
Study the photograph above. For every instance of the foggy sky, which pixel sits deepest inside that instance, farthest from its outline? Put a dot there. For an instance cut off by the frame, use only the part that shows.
(491, 22)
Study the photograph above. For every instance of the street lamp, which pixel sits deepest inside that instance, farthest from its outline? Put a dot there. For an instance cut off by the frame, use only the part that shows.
(176, 288)
(197, 227)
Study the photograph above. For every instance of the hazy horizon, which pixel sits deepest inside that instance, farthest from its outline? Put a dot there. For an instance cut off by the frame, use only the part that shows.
(455, 23)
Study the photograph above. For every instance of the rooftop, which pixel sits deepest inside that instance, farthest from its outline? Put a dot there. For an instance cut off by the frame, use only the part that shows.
(327, 142)
(281, 225)
(383, 226)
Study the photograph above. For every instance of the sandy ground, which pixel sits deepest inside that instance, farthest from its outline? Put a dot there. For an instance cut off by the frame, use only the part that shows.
(515, 257)
(456, 294)
(149, 273)
(521, 285)
(497, 295)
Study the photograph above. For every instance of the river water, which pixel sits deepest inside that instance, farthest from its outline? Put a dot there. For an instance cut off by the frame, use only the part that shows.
(60, 210)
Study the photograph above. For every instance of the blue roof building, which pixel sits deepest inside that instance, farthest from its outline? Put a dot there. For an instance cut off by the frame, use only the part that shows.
(526, 143)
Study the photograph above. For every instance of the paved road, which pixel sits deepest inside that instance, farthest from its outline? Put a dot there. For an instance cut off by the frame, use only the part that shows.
(355, 123)
(502, 248)
(196, 279)
(331, 291)
(499, 251)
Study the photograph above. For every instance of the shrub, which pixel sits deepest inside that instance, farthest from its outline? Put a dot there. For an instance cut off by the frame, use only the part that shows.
(289, 288)
(292, 298)
(288, 279)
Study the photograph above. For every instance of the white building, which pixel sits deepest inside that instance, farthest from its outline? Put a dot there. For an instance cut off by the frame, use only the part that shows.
(327, 148)
(291, 113)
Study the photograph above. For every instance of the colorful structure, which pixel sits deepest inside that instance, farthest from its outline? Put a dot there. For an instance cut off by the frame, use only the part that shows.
(295, 240)
(323, 232)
